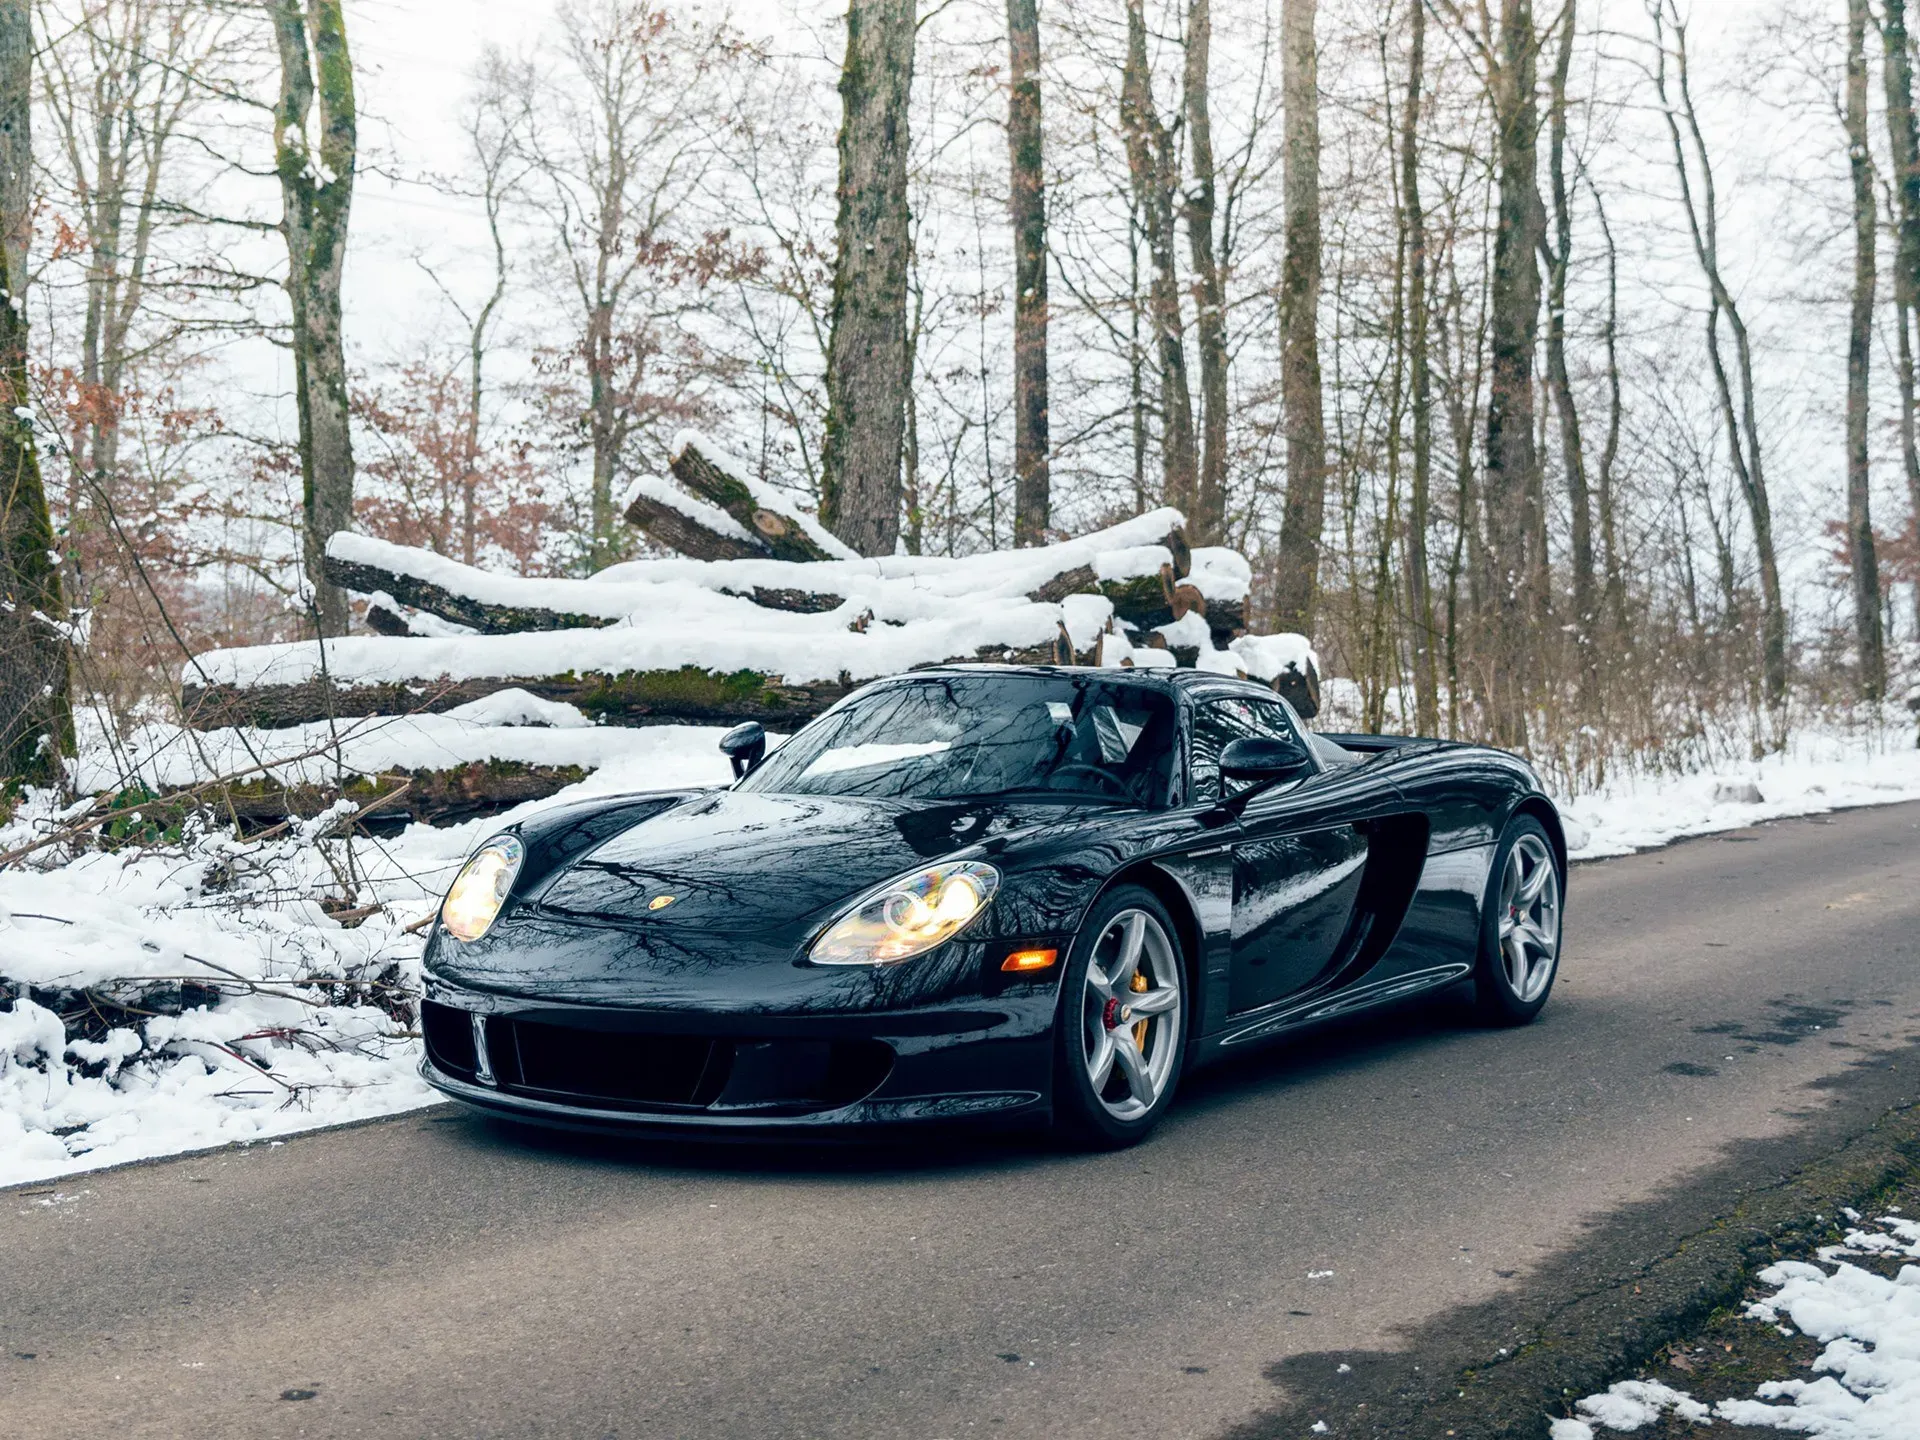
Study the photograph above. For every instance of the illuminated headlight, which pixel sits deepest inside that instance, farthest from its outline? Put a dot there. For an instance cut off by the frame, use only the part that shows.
(908, 916)
(481, 887)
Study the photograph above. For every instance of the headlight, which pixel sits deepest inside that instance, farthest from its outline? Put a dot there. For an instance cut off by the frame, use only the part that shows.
(481, 887)
(908, 916)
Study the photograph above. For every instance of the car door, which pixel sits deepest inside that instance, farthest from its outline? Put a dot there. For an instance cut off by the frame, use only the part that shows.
(1297, 859)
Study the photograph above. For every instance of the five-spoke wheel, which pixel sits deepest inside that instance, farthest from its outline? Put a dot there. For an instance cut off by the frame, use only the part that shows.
(1119, 1063)
(1130, 1011)
(1520, 948)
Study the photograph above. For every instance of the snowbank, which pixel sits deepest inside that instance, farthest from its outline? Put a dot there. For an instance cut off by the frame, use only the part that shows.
(219, 911)
(1821, 770)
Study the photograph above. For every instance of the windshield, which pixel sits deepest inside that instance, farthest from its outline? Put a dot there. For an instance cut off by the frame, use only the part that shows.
(967, 736)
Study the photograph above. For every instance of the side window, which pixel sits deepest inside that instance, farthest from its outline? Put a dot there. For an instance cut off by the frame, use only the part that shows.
(1220, 722)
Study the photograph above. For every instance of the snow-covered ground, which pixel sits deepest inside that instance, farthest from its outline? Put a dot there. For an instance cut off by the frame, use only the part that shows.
(1821, 769)
(261, 1064)
(1866, 1383)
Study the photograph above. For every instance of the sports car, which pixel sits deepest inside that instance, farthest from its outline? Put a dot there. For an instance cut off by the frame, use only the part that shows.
(993, 895)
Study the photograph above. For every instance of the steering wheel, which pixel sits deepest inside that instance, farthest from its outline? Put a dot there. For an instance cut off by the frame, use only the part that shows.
(1118, 786)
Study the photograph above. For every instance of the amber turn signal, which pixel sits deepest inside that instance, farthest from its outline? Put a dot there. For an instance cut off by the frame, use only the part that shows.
(1023, 960)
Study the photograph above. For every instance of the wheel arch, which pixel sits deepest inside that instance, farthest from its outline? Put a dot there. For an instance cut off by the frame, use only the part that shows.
(1538, 807)
(1150, 877)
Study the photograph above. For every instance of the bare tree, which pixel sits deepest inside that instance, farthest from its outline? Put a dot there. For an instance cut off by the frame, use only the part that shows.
(1209, 519)
(1866, 216)
(1297, 566)
(1557, 253)
(613, 128)
(1904, 137)
(314, 156)
(1674, 89)
(1152, 170)
(117, 85)
(36, 723)
(867, 351)
(496, 151)
(1420, 385)
(1027, 204)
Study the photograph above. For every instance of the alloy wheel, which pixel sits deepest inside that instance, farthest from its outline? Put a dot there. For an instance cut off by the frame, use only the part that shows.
(1131, 1014)
(1529, 918)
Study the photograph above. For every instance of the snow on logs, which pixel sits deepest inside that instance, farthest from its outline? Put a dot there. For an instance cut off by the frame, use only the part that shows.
(726, 513)
(708, 658)
(762, 615)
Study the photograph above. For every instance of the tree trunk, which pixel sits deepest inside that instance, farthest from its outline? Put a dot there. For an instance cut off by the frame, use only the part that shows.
(316, 191)
(1027, 204)
(1209, 520)
(1558, 255)
(1297, 568)
(1616, 583)
(36, 721)
(1514, 304)
(1151, 170)
(867, 351)
(1742, 422)
(1426, 686)
(1905, 138)
(1861, 558)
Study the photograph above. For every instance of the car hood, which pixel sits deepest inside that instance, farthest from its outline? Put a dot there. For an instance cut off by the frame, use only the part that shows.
(740, 863)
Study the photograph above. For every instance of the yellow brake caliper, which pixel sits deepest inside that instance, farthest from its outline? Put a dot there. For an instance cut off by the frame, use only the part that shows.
(1139, 986)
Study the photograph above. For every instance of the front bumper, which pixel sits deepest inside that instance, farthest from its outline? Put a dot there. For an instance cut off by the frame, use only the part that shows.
(740, 1071)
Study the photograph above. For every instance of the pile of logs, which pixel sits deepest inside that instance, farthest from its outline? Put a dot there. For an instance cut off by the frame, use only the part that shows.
(1108, 598)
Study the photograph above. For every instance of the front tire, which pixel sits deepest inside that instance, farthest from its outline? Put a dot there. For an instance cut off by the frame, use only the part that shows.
(1120, 1039)
(1520, 926)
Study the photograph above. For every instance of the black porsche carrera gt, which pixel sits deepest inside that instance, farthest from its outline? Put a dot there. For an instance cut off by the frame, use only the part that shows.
(988, 894)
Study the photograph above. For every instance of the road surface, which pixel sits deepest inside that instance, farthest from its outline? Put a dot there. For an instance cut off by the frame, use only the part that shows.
(440, 1275)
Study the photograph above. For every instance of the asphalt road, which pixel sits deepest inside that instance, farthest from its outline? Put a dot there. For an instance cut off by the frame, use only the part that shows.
(439, 1275)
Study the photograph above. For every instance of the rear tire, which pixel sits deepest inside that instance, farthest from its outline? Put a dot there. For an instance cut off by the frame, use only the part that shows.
(1520, 926)
(1120, 1036)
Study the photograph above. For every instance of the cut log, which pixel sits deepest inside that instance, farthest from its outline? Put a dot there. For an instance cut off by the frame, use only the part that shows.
(794, 602)
(685, 696)
(1149, 601)
(669, 521)
(383, 621)
(508, 604)
(688, 695)
(1299, 686)
(434, 797)
(353, 571)
(785, 535)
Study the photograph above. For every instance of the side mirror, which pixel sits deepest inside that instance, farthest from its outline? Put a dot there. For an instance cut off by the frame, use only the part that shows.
(745, 745)
(1271, 761)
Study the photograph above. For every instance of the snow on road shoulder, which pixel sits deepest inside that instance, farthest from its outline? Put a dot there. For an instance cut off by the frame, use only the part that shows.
(1866, 1383)
(1820, 770)
(286, 1018)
